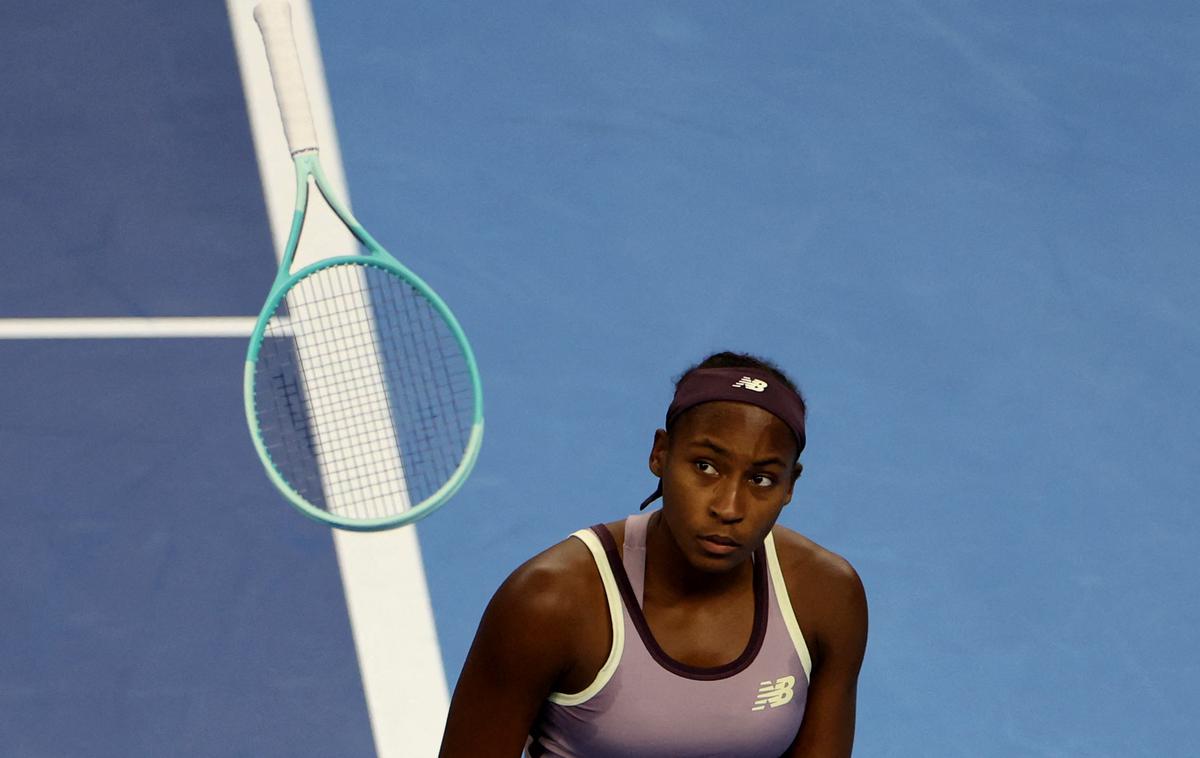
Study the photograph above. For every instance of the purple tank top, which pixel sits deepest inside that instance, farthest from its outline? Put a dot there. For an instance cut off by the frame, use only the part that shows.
(644, 703)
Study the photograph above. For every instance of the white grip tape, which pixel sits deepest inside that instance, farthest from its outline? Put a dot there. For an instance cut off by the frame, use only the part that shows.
(274, 19)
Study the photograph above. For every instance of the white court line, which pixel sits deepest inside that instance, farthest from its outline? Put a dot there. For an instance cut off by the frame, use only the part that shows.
(124, 328)
(382, 573)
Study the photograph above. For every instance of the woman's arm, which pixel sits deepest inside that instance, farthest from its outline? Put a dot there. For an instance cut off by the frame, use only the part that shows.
(522, 649)
(841, 637)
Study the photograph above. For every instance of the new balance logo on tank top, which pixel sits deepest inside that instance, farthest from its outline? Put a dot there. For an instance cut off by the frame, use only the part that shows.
(643, 703)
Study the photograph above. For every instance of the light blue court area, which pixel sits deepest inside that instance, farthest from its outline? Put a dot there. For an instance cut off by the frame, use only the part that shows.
(967, 229)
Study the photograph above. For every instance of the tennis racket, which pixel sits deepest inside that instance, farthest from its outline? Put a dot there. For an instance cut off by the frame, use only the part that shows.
(361, 391)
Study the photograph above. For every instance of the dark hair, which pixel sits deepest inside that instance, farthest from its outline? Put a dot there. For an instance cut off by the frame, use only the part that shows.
(727, 359)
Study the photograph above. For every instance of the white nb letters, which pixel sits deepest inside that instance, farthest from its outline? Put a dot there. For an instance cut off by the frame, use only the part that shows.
(776, 693)
(754, 385)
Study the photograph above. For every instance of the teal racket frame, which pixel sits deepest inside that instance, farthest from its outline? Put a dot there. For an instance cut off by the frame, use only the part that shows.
(308, 166)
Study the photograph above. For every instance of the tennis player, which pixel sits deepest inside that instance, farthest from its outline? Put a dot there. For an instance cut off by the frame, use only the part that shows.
(700, 628)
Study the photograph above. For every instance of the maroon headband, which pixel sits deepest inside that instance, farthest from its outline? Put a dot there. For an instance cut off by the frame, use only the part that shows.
(741, 385)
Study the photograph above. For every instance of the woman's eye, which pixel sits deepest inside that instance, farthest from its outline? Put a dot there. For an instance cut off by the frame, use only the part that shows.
(762, 480)
(704, 467)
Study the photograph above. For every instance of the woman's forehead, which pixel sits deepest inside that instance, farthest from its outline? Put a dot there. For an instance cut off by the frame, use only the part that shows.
(738, 425)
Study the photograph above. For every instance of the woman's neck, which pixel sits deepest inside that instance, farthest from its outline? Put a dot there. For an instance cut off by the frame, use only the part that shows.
(674, 579)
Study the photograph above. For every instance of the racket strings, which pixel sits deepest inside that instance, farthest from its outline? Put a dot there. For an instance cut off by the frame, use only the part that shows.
(362, 393)
(438, 396)
(342, 479)
(284, 429)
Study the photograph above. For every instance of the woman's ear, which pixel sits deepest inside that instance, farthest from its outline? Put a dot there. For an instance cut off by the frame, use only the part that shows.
(658, 452)
(791, 484)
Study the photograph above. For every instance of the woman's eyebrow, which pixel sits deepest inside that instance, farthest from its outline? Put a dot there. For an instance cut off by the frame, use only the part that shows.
(706, 442)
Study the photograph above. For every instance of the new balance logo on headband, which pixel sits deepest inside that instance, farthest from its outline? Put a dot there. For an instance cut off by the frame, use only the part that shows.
(756, 385)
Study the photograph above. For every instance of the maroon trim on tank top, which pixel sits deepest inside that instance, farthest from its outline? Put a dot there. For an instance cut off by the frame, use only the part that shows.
(535, 747)
(737, 665)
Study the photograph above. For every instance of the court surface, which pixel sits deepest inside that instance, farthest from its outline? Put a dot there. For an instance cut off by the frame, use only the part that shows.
(967, 229)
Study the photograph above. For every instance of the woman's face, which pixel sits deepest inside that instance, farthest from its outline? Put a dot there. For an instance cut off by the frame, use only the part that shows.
(727, 470)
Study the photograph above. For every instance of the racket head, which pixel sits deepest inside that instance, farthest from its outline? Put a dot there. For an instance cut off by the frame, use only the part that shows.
(334, 420)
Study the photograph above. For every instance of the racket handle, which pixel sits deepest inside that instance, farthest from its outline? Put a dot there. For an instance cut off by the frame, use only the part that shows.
(274, 19)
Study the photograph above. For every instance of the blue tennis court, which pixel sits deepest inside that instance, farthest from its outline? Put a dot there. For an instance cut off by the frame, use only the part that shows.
(967, 229)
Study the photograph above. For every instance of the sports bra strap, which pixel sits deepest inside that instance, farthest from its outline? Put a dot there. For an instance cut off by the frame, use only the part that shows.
(633, 555)
(613, 596)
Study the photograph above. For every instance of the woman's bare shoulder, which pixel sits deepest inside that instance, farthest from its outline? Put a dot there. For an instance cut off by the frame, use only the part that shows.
(807, 563)
(557, 584)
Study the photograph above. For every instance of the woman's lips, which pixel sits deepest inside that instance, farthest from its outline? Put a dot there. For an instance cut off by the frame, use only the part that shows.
(718, 544)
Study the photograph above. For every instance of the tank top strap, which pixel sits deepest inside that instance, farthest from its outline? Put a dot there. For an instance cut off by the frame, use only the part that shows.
(634, 553)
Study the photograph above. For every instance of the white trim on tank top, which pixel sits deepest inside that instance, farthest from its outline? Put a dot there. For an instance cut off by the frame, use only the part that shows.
(613, 595)
(785, 607)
